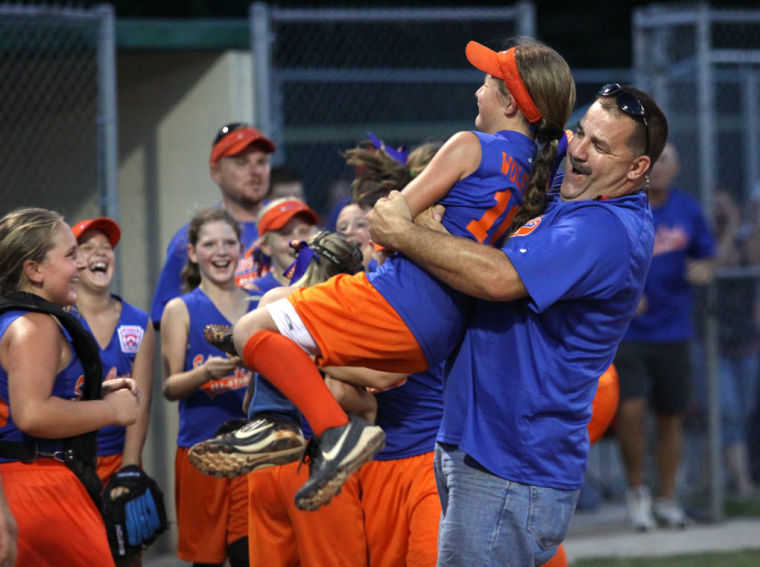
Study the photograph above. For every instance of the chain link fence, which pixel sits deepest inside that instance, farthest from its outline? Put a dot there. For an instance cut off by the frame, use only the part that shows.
(703, 66)
(324, 77)
(58, 117)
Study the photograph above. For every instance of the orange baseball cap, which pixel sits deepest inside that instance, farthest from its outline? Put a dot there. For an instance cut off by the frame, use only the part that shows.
(280, 214)
(502, 65)
(237, 140)
(104, 224)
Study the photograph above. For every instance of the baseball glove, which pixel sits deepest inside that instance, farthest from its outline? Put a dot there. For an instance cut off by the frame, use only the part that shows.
(134, 511)
(221, 337)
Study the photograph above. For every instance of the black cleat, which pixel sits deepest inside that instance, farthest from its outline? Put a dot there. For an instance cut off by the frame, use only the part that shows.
(338, 453)
(264, 442)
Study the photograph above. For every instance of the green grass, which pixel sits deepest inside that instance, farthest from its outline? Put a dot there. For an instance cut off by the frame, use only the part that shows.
(749, 507)
(746, 558)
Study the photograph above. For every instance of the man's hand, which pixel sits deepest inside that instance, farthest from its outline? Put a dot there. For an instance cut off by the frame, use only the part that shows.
(389, 218)
(431, 218)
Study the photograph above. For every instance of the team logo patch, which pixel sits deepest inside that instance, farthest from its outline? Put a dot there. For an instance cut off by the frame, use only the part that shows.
(130, 337)
(528, 227)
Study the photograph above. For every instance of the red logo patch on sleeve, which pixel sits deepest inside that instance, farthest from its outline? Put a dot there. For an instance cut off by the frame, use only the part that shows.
(528, 227)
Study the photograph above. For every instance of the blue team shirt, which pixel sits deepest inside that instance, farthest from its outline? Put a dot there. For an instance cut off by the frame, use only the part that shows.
(118, 358)
(410, 414)
(217, 401)
(263, 284)
(479, 207)
(680, 233)
(68, 385)
(169, 283)
(519, 391)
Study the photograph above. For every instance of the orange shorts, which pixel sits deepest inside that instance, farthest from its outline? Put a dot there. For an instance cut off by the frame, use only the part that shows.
(280, 534)
(58, 524)
(212, 512)
(108, 466)
(401, 511)
(353, 325)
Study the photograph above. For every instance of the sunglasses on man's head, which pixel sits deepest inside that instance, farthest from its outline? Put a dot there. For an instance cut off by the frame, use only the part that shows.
(630, 104)
(227, 128)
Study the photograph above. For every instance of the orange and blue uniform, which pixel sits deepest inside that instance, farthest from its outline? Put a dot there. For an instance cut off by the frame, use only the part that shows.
(398, 491)
(51, 506)
(117, 358)
(402, 319)
(211, 512)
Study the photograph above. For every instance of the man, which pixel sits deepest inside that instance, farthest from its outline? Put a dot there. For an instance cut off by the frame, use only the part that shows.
(654, 362)
(239, 165)
(286, 183)
(554, 302)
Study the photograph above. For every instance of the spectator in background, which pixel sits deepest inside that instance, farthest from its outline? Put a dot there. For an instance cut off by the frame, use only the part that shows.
(653, 361)
(285, 183)
(239, 165)
(739, 342)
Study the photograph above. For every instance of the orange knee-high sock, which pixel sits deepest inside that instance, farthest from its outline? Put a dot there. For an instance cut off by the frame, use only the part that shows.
(293, 373)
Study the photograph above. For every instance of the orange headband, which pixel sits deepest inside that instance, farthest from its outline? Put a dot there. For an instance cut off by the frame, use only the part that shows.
(511, 76)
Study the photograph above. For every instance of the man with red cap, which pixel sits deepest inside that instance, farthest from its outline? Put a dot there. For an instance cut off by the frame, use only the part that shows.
(239, 165)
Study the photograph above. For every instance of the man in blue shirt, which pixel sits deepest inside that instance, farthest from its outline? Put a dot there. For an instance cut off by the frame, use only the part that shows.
(653, 361)
(239, 165)
(554, 302)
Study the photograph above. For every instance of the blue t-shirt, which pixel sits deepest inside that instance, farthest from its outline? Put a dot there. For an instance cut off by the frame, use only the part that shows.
(680, 233)
(68, 385)
(263, 284)
(117, 359)
(217, 401)
(480, 207)
(410, 414)
(519, 391)
(169, 283)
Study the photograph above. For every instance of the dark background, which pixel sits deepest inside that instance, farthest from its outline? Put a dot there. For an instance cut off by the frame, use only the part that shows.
(591, 33)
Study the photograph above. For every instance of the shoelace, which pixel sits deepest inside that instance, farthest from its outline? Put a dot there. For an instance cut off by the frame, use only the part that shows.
(310, 452)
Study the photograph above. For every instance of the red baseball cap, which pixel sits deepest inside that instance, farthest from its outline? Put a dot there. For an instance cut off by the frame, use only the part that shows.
(280, 214)
(238, 140)
(104, 224)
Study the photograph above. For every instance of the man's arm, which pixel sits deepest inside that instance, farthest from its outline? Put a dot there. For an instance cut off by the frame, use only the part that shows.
(472, 268)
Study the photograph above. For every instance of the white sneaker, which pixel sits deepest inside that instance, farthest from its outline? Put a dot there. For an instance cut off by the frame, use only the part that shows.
(670, 514)
(638, 501)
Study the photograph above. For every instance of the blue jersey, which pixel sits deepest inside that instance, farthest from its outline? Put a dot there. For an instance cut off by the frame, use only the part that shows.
(519, 391)
(410, 414)
(117, 359)
(479, 207)
(68, 385)
(681, 233)
(217, 401)
(263, 284)
(169, 283)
